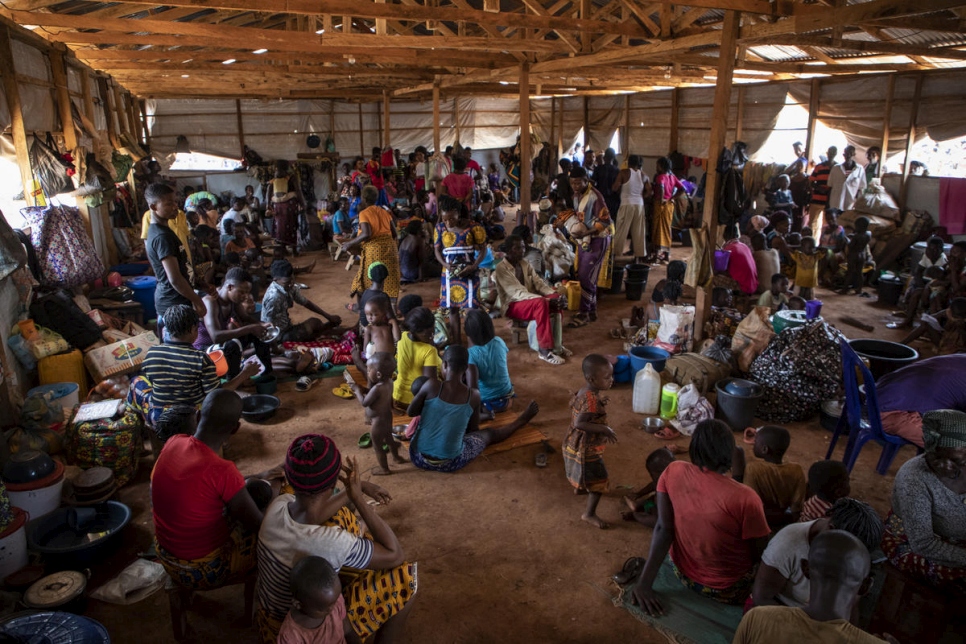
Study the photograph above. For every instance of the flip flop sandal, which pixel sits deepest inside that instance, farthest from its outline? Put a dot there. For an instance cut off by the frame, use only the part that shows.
(630, 570)
(667, 434)
(576, 322)
(365, 441)
(552, 359)
(304, 383)
(749, 436)
(540, 460)
(343, 391)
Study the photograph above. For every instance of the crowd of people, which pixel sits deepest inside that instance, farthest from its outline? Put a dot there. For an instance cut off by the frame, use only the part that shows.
(330, 568)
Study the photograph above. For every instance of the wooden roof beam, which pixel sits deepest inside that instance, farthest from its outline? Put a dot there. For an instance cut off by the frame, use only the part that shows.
(925, 23)
(417, 12)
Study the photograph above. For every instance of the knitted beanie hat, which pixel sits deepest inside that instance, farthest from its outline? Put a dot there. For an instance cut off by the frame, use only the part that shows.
(313, 463)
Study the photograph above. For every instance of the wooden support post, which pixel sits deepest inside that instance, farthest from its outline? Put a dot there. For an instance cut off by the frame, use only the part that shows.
(87, 95)
(12, 93)
(380, 22)
(587, 122)
(886, 124)
(673, 141)
(386, 121)
(525, 155)
(456, 117)
(122, 126)
(132, 118)
(553, 128)
(814, 103)
(910, 141)
(241, 128)
(586, 38)
(739, 120)
(362, 135)
(435, 118)
(143, 109)
(716, 140)
(106, 107)
(626, 139)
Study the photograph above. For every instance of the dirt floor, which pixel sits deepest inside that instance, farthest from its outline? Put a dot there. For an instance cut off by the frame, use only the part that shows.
(502, 552)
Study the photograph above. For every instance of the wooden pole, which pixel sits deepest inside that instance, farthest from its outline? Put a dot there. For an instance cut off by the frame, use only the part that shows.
(673, 141)
(88, 97)
(626, 139)
(814, 95)
(106, 107)
(886, 124)
(553, 128)
(910, 141)
(122, 125)
(435, 118)
(587, 123)
(362, 139)
(12, 92)
(716, 141)
(456, 117)
(386, 135)
(143, 109)
(739, 120)
(524, 143)
(132, 116)
(241, 128)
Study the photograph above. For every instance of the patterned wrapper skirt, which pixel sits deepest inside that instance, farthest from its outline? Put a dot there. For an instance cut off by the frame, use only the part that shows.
(380, 248)
(663, 216)
(895, 545)
(286, 222)
(584, 462)
(226, 565)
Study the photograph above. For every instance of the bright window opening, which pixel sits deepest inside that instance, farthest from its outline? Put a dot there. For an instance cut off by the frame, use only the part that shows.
(199, 161)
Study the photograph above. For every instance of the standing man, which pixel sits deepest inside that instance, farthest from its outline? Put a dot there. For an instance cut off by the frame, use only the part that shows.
(820, 192)
(168, 255)
(799, 156)
(846, 181)
(873, 154)
(604, 177)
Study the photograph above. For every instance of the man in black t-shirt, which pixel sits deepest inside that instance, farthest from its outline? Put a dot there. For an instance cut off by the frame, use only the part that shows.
(167, 254)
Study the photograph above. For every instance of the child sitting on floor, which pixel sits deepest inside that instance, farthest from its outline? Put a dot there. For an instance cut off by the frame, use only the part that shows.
(641, 506)
(318, 614)
(828, 481)
(281, 295)
(415, 355)
(378, 405)
(241, 242)
(857, 256)
(776, 298)
(946, 329)
(781, 486)
(806, 266)
(796, 303)
(583, 448)
(488, 370)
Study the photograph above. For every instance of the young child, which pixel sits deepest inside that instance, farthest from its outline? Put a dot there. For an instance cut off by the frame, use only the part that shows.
(946, 329)
(806, 266)
(378, 274)
(641, 506)
(488, 370)
(342, 230)
(318, 614)
(240, 242)
(281, 295)
(381, 333)
(776, 298)
(856, 256)
(378, 405)
(767, 261)
(781, 486)
(583, 448)
(411, 252)
(796, 303)
(415, 355)
(828, 481)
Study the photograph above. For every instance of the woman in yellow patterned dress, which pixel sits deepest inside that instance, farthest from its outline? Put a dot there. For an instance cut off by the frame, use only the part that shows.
(460, 246)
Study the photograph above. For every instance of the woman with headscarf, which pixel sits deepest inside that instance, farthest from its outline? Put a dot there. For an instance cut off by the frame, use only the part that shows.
(926, 529)
(377, 583)
(376, 240)
(284, 201)
(593, 240)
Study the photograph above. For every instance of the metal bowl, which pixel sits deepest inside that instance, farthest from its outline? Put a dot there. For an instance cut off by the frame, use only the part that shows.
(271, 334)
(652, 424)
(399, 432)
(28, 466)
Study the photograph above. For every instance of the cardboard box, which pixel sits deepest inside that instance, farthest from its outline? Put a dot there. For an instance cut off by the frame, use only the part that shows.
(121, 357)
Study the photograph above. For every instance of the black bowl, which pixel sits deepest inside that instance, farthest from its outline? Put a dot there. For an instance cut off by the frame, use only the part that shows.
(28, 466)
(259, 407)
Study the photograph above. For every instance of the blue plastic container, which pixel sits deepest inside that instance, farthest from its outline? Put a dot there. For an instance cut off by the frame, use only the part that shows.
(144, 288)
(622, 370)
(640, 356)
(129, 270)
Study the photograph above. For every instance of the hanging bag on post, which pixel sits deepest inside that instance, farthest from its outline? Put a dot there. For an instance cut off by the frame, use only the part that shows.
(49, 167)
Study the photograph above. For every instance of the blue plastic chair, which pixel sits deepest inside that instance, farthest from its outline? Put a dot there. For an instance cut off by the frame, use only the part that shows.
(862, 425)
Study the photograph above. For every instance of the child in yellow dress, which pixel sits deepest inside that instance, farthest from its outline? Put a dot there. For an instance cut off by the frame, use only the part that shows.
(806, 267)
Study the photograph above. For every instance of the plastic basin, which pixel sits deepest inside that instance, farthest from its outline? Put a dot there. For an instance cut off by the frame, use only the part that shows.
(884, 356)
(51, 536)
(259, 407)
(737, 402)
(642, 356)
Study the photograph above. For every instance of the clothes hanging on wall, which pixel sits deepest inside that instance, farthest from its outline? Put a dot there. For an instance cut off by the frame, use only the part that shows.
(952, 205)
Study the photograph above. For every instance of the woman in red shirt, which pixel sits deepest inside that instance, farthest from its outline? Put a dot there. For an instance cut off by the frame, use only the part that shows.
(713, 526)
(458, 184)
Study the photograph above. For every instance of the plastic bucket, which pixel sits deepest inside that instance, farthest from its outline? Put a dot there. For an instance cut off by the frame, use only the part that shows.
(266, 384)
(641, 356)
(622, 369)
(39, 497)
(637, 272)
(617, 280)
(13, 545)
(221, 363)
(65, 394)
(144, 287)
(634, 290)
(737, 409)
(721, 260)
(890, 290)
(883, 356)
(813, 309)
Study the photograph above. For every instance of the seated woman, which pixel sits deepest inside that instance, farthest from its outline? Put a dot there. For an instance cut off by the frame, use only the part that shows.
(448, 436)
(714, 527)
(174, 372)
(488, 371)
(926, 529)
(780, 580)
(378, 584)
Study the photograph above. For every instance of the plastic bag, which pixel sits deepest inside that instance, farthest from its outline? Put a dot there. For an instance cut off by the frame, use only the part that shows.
(676, 330)
(49, 167)
(753, 335)
(138, 581)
